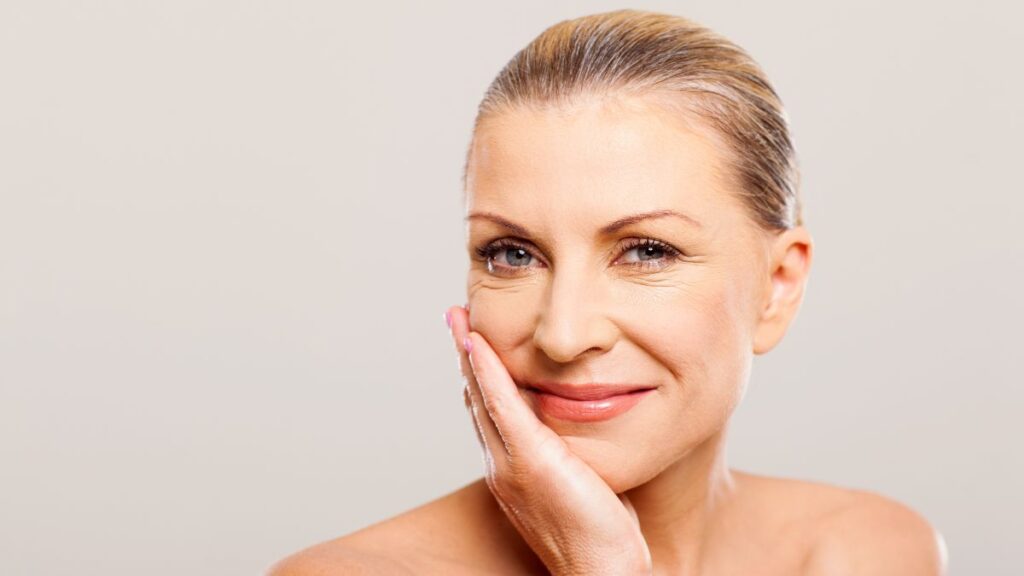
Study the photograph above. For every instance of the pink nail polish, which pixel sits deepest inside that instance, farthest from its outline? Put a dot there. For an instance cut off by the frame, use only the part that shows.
(467, 343)
(448, 318)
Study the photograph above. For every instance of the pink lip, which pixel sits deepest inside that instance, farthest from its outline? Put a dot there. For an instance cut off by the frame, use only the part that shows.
(586, 403)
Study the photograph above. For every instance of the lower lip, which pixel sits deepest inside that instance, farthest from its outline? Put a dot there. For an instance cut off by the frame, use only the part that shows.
(587, 410)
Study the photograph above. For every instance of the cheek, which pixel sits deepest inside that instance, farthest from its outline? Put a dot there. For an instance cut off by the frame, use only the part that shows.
(700, 341)
(503, 315)
(686, 330)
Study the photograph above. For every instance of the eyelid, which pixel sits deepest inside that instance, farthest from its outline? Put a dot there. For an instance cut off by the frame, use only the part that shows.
(672, 254)
(671, 251)
(507, 242)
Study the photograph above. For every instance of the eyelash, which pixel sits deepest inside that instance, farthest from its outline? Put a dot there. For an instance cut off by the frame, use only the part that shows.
(672, 254)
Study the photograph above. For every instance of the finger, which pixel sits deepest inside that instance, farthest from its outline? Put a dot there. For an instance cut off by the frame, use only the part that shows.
(494, 447)
(518, 426)
(486, 439)
(457, 328)
(487, 433)
(469, 408)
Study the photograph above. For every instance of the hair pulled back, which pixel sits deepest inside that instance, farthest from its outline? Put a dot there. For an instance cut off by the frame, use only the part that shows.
(635, 52)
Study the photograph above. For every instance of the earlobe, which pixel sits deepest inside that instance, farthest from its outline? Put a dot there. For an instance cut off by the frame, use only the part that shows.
(789, 267)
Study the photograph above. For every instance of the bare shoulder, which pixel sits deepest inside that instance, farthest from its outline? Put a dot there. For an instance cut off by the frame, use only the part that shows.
(874, 534)
(334, 557)
(402, 544)
(838, 530)
(452, 535)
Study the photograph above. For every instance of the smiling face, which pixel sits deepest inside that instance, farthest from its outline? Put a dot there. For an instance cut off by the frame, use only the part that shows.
(567, 287)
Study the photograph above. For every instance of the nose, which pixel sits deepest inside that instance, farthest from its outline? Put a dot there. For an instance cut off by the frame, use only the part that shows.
(573, 320)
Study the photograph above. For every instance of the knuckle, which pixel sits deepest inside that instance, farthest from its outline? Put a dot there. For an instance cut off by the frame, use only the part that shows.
(518, 475)
(522, 472)
(495, 404)
(502, 487)
(489, 405)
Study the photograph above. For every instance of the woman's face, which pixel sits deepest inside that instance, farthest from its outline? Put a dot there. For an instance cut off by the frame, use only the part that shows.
(670, 301)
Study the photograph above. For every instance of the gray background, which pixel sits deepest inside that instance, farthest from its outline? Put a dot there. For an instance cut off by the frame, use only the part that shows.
(228, 231)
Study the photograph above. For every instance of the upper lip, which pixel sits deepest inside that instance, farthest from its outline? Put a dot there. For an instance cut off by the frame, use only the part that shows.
(585, 391)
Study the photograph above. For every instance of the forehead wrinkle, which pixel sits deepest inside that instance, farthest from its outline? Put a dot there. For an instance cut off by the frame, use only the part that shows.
(572, 165)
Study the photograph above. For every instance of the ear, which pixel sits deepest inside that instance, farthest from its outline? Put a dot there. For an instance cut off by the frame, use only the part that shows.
(789, 263)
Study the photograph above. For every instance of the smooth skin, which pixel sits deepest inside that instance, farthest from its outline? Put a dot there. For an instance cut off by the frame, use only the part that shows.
(682, 303)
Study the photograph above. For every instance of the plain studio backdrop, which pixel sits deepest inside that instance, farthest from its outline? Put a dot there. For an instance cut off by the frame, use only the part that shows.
(228, 231)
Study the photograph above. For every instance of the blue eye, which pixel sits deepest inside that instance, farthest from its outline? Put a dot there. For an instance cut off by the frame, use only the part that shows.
(649, 251)
(505, 255)
(512, 256)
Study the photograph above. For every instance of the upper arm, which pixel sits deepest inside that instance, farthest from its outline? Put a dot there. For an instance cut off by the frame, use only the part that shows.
(880, 537)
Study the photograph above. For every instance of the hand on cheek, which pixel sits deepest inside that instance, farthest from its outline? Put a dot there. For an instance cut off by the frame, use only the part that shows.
(566, 513)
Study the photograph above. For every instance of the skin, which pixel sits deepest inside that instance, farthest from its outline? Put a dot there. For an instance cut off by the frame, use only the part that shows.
(649, 491)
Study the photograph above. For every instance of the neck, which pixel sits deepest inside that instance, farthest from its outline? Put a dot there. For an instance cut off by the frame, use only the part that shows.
(680, 507)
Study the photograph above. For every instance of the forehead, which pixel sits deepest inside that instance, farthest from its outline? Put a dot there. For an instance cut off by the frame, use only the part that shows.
(600, 157)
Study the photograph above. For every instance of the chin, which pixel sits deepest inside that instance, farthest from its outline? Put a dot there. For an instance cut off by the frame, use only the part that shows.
(622, 467)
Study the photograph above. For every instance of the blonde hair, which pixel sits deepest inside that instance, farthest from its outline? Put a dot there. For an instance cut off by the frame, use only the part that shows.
(641, 52)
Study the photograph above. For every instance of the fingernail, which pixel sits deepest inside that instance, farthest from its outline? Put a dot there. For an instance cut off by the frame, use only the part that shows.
(448, 318)
(467, 343)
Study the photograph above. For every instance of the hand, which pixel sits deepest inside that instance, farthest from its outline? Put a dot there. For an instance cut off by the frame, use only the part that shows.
(565, 512)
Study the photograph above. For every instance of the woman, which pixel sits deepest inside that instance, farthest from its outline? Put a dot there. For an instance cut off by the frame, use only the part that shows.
(635, 233)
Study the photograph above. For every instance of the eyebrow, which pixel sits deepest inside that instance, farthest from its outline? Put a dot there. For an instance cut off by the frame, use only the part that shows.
(606, 230)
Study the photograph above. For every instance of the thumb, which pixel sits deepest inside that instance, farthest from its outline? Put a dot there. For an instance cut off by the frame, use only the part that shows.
(629, 508)
(636, 519)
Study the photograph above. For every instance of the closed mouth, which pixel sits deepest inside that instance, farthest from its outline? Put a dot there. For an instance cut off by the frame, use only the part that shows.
(588, 403)
(587, 391)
